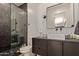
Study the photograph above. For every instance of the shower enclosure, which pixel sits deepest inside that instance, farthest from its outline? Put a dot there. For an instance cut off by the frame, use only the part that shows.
(13, 26)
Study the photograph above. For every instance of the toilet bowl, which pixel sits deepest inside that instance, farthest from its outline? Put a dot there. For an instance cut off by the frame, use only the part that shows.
(26, 51)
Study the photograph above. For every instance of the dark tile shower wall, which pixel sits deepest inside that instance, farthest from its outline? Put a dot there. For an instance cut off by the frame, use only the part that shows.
(5, 28)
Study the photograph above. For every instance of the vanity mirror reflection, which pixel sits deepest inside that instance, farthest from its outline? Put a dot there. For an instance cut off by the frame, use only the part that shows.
(60, 15)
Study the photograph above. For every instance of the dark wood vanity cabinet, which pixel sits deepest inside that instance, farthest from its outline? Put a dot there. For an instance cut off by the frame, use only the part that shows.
(34, 45)
(71, 48)
(42, 47)
(54, 48)
(39, 46)
(48, 47)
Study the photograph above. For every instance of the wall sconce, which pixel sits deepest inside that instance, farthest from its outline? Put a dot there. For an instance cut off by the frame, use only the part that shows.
(44, 17)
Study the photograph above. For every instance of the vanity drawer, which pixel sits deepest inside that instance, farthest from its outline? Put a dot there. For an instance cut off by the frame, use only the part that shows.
(71, 48)
(42, 51)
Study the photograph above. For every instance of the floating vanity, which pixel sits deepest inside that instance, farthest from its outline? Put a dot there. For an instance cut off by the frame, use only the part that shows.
(54, 47)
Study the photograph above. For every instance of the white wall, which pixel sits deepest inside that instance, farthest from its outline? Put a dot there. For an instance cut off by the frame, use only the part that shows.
(32, 21)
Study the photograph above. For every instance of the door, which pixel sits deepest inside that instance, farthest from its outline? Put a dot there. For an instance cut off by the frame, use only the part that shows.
(39, 46)
(71, 48)
(42, 47)
(54, 48)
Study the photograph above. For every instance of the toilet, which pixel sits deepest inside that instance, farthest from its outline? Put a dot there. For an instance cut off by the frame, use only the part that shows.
(26, 51)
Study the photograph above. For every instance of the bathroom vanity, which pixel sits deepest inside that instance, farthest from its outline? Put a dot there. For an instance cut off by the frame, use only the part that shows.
(54, 47)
